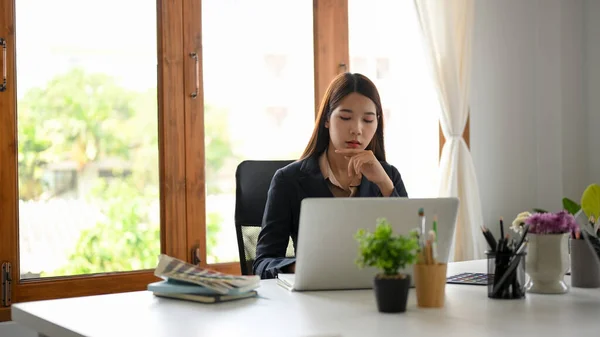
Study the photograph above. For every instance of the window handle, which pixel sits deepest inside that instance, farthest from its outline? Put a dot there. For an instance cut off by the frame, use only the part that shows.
(4, 62)
(196, 255)
(194, 55)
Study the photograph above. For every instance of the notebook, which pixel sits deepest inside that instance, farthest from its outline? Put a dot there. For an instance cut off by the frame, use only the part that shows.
(171, 286)
(208, 298)
(202, 279)
(286, 281)
(185, 281)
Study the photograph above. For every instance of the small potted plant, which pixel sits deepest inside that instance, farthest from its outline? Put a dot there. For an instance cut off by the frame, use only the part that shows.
(390, 254)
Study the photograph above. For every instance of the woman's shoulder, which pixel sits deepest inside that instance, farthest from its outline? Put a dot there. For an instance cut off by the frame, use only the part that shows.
(299, 167)
(291, 170)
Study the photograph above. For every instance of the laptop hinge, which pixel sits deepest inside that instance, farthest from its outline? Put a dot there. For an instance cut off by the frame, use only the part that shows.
(6, 287)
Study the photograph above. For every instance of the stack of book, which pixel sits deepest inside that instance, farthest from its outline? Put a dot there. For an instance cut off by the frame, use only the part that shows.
(185, 281)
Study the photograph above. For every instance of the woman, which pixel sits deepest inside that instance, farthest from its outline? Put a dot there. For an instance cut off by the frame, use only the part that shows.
(345, 157)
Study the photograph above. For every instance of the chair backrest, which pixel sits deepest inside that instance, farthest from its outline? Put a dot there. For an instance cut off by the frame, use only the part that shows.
(252, 179)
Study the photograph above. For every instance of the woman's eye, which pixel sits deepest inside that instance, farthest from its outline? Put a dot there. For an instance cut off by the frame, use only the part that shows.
(345, 118)
(369, 120)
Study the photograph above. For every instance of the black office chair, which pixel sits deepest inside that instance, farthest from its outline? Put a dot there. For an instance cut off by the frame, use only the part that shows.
(252, 180)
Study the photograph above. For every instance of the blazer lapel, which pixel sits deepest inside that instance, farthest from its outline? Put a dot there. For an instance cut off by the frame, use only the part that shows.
(312, 181)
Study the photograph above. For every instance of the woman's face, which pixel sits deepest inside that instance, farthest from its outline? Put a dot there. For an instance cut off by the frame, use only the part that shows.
(353, 123)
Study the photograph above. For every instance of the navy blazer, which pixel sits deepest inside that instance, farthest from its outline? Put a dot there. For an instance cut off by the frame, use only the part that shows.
(290, 184)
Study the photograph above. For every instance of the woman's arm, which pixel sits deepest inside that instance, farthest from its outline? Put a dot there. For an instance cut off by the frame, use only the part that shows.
(399, 189)
(275, 232)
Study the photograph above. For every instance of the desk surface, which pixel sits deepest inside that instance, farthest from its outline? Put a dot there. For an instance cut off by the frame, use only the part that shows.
(279, 312)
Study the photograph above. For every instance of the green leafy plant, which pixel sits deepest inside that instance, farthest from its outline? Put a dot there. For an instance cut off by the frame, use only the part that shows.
(571, 206)
(590, 201)
(539, 210)
(384, 250)
(88, 118)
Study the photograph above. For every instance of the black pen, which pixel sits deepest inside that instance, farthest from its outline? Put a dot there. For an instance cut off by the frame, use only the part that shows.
(501, 227)
(489, 238)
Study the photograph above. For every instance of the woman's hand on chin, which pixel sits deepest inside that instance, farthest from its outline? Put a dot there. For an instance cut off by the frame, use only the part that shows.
(364, 162)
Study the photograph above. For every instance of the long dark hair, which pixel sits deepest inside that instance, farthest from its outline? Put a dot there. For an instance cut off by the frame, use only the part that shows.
(341, 86)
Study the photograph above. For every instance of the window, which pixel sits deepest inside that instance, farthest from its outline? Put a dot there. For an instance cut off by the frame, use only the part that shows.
(259, 98)
(277, 114)
(275, 65)
(382, 67)
(82, 206)
(359, 64)
(87, 114)
(385, 42)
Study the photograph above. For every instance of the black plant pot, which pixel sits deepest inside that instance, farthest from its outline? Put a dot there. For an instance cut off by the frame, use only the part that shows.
(391, 293)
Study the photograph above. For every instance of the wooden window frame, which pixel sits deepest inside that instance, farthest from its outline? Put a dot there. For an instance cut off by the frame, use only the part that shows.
(175, 231)
(8, 146)
(331, 50)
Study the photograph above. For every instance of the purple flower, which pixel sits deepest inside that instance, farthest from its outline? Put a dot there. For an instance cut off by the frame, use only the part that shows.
(552, 223)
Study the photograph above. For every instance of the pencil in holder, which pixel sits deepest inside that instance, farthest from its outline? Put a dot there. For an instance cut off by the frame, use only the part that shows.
(506, 275)
(430, 283)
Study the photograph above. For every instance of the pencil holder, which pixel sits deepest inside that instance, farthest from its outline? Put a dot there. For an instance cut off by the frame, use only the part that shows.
(430, 283)
(506, 275)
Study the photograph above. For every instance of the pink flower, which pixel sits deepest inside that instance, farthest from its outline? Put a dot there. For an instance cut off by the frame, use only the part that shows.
(551, 223)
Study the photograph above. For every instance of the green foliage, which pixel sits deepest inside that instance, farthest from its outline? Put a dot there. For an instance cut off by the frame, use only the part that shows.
(217, 144)
(538, 210)
(33, 155)
(590, 201)
(571, 206)
(75, 117)
(125, 240)
(385, 251)
(213, 227)
(85, 118)
(81, 113)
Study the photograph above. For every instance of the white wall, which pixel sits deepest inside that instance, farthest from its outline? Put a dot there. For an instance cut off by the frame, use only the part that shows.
(592, 83)
(575, 145)
(529, 124)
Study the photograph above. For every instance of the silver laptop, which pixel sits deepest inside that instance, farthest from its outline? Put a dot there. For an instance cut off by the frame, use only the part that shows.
(327, 250)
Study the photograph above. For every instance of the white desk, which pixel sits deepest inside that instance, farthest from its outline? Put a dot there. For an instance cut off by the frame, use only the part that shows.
(468, 312)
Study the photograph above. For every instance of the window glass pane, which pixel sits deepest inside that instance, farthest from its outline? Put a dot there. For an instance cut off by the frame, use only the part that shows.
(385, 45)
(259, 98)
(87, 128)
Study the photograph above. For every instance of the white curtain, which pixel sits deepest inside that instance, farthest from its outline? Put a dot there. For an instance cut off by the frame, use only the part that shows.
(447, 29)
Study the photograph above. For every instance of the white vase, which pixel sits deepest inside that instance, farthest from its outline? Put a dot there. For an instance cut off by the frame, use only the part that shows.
(546, 263)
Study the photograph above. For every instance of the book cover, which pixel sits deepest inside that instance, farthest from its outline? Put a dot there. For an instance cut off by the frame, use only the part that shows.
(214, 298)
(170, 286)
